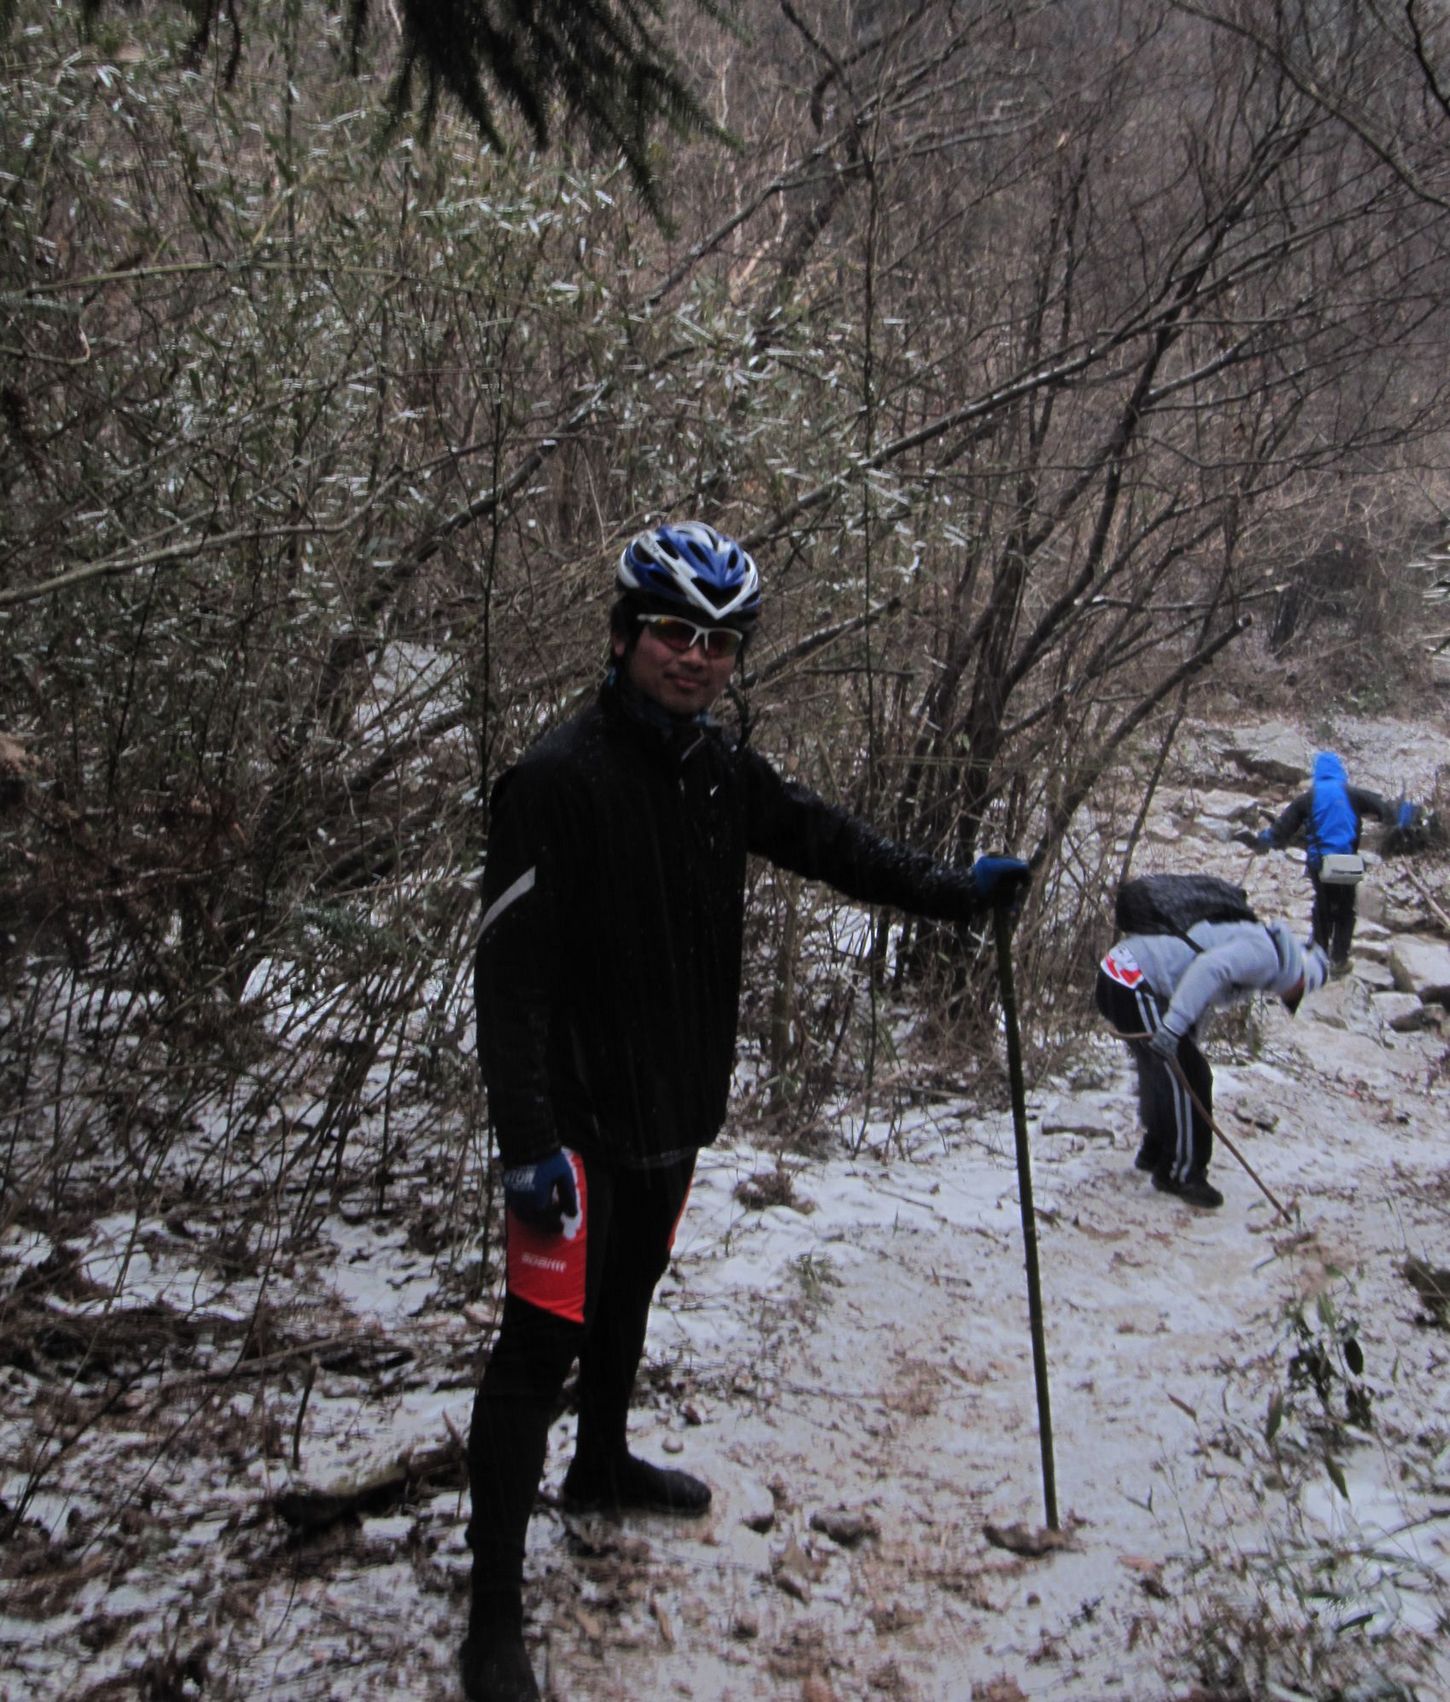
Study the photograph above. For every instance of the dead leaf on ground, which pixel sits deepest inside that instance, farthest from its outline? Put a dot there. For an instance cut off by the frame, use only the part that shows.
(590, 1624)
(845, 1525)
(800, 1654)
(792, 1585)
(892, 1616)
(1150, 1574)
(794, 1558)
(1433, 1287)
(1026, 1539)
(1002, 1689)
(662, 1619)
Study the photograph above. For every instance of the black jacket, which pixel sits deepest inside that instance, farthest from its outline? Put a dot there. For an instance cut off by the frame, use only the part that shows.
(1298, 818)
(608, 970)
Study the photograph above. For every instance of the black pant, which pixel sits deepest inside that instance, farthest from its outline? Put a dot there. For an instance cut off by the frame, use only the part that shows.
(1178, 1136)
(1333, 917)
(630, 1219)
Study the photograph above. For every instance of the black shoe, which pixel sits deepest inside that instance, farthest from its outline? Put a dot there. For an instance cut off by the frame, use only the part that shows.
(1147, 1159)
(1199, 1191)
(634, 1484)
(495, 1668)
(1196, 1191)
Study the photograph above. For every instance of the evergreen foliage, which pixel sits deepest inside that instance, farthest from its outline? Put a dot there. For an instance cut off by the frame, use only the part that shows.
(602, 62)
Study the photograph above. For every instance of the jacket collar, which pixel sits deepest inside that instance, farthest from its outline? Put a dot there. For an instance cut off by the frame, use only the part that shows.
(625, 706)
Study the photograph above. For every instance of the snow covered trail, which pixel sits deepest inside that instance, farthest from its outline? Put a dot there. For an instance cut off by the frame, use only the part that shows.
(850, 1367)
(889, 1374)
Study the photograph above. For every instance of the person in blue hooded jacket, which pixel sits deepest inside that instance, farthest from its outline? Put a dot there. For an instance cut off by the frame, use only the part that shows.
(1328, 817)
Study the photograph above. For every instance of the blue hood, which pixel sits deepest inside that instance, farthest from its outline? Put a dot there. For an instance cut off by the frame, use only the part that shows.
(1327, 766)
(1333, 824)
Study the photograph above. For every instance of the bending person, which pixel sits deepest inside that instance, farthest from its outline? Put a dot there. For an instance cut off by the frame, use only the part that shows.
(1155, 990)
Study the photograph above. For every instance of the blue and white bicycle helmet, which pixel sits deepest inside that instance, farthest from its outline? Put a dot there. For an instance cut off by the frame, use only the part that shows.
(692, 568)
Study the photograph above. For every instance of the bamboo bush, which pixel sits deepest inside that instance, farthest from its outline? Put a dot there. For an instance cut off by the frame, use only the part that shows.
(1007, 347)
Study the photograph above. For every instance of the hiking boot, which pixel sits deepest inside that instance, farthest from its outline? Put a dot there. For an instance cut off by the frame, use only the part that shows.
(1199, 1191)
(494, 1667)
(1147, 1159)
(1196, 1191)
(634, 1484)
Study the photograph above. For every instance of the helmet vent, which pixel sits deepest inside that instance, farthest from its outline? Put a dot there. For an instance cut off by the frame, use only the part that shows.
(716, 595)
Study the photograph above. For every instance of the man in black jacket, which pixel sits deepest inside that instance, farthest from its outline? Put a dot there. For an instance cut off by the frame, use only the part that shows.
(607, 984)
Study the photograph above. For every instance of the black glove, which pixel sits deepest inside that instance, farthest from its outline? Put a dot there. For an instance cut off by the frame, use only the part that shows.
(1001, 882)
(1164, 1043)
(542, 1195)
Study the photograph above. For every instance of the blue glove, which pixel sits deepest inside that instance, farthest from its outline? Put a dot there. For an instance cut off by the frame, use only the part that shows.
(542, 1195)
(1164, 1043)
(1001, 882)
(1264, 839)
(1406, 816)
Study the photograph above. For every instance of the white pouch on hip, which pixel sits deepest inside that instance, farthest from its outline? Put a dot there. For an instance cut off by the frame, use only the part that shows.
(1341, 868)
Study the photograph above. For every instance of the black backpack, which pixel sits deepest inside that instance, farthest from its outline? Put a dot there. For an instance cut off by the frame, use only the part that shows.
(1171, 904)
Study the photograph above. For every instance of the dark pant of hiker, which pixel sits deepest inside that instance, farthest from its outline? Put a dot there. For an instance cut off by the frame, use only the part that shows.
(1333, 918)
(1178, 1137)
(628, 1220)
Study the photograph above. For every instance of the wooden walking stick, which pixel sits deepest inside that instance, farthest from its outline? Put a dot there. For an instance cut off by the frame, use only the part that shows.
(1203, 1111)
(1002, 924)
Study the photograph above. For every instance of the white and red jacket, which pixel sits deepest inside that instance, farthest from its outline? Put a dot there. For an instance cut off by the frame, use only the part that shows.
(1214, 965)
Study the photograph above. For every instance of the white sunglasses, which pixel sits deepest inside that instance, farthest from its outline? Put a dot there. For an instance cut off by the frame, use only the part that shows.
(681, 635)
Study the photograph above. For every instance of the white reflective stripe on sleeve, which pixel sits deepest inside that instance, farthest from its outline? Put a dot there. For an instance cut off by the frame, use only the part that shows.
(524, 884)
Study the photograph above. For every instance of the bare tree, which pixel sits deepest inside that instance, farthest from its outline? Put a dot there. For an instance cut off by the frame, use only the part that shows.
(1015, 346)
(1380, 70)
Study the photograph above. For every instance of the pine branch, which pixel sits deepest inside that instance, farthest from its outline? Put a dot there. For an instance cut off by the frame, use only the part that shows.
(601, 64)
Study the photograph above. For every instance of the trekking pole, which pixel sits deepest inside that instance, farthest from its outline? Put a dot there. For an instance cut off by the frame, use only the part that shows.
(1002, 924)
(1207, 1116)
